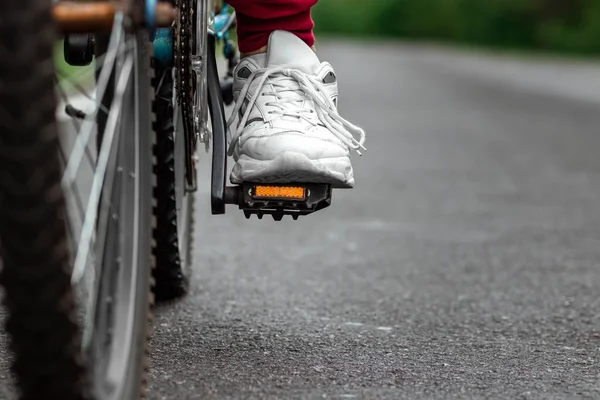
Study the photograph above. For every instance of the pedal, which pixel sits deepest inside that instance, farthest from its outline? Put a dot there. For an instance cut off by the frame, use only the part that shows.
(279, 200)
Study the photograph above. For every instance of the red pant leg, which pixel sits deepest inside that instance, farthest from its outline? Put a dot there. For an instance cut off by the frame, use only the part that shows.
(256, 19)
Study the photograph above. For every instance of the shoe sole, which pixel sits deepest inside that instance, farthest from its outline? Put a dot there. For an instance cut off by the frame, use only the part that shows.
(291, 167)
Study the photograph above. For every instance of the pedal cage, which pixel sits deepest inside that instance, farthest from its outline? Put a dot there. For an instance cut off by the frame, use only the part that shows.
(279, 200)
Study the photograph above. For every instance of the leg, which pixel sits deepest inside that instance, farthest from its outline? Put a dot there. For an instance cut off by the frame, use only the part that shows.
(257, 19)
(285, 127)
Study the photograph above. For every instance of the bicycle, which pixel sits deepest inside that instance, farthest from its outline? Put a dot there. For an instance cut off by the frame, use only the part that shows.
(78, 275)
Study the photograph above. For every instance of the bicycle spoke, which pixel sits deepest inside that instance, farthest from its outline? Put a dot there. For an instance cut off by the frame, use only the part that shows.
(89, 122)
(105, 151)
(73, 195)
(73, 83)
(79, 88)
(77, 127)
(160, 83)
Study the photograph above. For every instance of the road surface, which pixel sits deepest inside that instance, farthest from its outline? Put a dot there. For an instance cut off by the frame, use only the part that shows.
(465, 265)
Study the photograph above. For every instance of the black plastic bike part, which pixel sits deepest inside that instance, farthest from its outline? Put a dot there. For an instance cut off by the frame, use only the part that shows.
(233, 57)
(219, 130)
(316, 197)
(227, 80)
(227, 89)
(74, 112)
(78, 49)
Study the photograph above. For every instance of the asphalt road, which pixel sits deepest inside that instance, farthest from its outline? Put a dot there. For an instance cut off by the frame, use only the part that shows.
(464, 265)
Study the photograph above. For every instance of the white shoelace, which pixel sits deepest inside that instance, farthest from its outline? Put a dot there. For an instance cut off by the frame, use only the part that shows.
(290, 99)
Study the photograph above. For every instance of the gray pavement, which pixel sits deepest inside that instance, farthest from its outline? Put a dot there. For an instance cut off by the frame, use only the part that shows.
(465, 264)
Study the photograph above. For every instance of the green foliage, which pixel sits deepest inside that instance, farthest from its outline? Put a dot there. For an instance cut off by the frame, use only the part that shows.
(569, 26)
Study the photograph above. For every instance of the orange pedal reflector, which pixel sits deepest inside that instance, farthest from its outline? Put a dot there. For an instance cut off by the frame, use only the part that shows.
(280, 192)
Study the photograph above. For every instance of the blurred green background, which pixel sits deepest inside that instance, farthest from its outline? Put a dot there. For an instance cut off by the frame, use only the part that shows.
(566, 26)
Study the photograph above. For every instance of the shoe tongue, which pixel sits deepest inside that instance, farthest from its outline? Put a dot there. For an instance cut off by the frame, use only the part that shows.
(288, 50)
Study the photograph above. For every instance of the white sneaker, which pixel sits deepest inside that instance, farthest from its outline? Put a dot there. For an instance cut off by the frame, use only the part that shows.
(285, 127)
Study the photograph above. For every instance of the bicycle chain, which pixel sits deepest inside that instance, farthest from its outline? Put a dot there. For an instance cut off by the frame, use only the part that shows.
(183, 62)
(183, 73)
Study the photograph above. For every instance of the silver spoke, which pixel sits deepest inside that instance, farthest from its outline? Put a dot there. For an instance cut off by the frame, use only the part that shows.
(89, 122)
(79, 88)
(105, 151)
